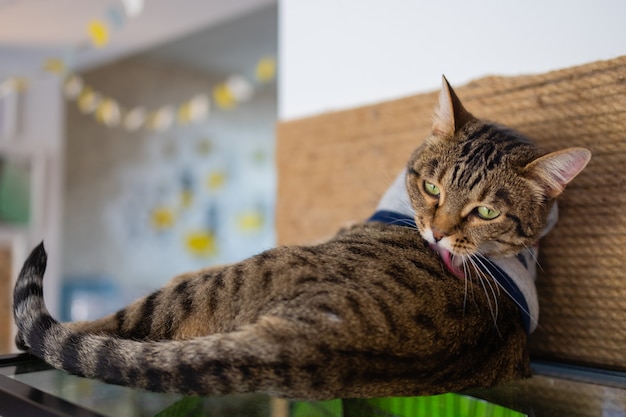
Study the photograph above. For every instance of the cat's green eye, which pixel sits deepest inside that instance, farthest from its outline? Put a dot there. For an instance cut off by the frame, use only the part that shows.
(487, 213)
(431, 189)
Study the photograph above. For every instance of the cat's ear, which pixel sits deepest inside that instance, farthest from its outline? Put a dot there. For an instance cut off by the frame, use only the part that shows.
(555, 170)
(450, 115)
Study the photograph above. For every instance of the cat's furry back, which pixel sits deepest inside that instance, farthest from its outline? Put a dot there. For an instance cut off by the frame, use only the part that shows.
(372, 312)
(369, 313)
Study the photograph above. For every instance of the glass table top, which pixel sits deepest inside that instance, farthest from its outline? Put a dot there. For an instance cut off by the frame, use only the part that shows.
(30, 387)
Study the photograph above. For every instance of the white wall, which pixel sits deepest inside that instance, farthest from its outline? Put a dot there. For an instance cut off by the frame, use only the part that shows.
(39, 137)
(339, 54)
(41, 123)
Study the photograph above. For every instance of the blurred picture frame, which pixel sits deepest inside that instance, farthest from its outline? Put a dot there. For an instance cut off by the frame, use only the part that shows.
(22, 179)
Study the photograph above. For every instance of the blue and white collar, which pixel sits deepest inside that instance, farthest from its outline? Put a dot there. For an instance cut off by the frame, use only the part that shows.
(516, 274)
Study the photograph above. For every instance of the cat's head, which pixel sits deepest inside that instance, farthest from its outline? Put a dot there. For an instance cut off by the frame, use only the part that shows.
(480, 188)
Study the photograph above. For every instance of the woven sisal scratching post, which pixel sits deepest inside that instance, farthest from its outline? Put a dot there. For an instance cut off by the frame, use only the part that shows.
(334, 167)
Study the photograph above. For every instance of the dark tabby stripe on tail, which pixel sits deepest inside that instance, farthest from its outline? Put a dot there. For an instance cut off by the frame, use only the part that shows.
(28, 295)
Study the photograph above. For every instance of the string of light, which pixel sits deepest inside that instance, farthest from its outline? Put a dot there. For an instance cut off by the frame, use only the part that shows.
(109, 112)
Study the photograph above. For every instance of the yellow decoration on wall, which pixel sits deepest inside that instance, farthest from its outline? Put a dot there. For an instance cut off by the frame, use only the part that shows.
(201, 243)
(135, 119)
(13, 84)
(223, 97)
(199, 106)
(240, 88)
(250, 221)
(21, 84)
(162, 218)
(72, 87)
(161, 119)
(216, 180)
(54, 65)
(88, 100)
(193, 110)
(186, 198)
(183, 115)
(98, 32)
(108, 112)
(266, 69)
(204, 147)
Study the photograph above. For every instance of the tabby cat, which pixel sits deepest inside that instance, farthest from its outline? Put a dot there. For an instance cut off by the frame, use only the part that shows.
(426, 297)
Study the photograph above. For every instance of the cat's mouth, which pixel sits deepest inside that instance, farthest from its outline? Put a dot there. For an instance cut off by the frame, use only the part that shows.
(453, 263)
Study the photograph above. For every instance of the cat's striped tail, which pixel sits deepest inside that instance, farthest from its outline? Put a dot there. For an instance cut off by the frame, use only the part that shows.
(36, 327)
(146, 365)
(215, 364)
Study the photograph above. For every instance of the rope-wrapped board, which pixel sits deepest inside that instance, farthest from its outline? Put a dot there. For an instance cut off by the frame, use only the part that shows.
(333, 168)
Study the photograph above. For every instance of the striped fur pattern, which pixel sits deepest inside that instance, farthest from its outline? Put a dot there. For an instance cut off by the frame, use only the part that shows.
(372, 312)
(369, 313)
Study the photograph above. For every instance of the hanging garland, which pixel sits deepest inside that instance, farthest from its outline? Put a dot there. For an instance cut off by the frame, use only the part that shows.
(110, 113)
(99, 29)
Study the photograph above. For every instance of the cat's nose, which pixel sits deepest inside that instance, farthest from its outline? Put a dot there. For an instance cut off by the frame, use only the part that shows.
(438, 234)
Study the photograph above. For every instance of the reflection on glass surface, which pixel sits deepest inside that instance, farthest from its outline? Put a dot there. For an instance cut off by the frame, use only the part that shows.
(589, 393)
(107, 399)
(118, 401)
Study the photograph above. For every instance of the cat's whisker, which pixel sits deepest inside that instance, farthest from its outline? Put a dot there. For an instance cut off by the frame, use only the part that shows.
(465, 273)
(534, 256)
(486, 271)
(481, 279)
(404, 222)
(489, 278)
(523, 309)
(468, 272)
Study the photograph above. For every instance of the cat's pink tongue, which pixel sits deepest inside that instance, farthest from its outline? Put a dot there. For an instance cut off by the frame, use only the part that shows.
(446, 257)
